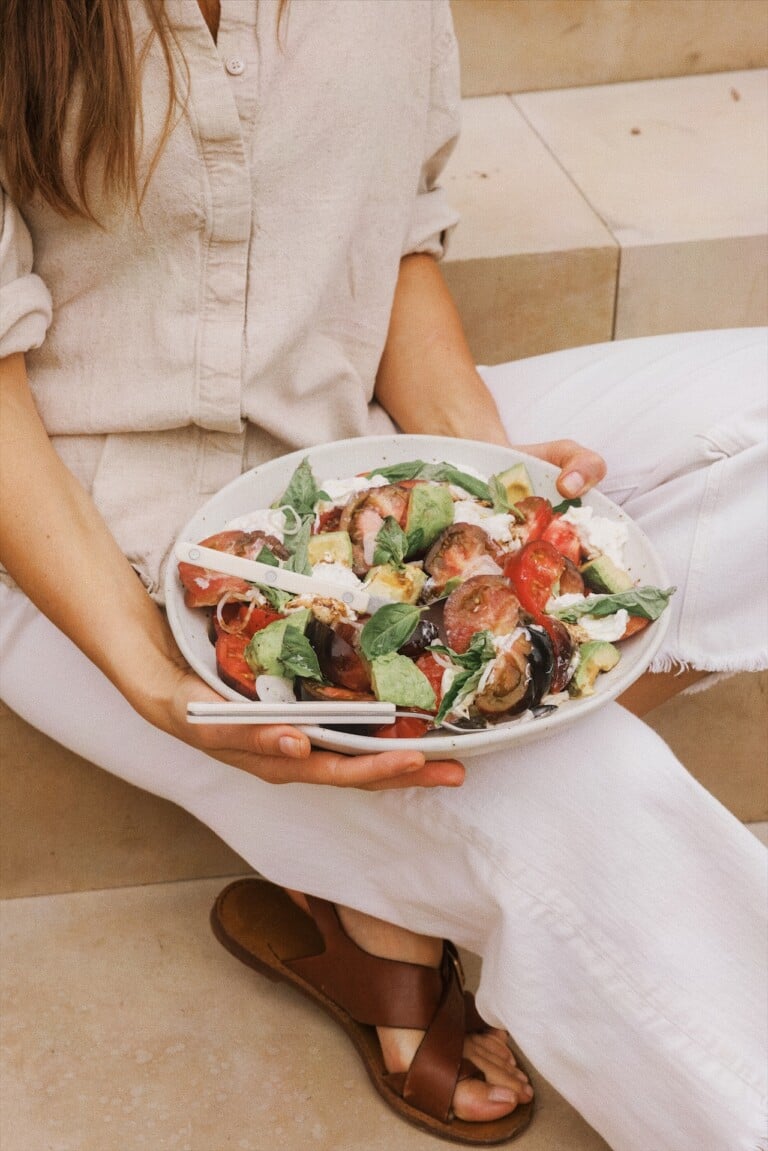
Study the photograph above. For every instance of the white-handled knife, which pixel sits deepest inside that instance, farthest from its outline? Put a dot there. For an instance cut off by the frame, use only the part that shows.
(254, 572)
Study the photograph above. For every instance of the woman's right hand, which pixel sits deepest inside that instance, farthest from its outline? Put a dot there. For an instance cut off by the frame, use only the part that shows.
(279, 753)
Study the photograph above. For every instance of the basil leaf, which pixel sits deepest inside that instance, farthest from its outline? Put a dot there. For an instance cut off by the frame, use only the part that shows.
(648, 602)
(563, 507)
(275, 596)
(388, 629)
(499, 497)
(415, 541)
(391, 543)
(395, 472)
(297, 655)
(265, 556)
(302, 492)
(481, 649)
(299, 545)
(463, 683)
(448, 474)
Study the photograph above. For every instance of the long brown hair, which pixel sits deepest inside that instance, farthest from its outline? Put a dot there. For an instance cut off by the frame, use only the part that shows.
(45, 46)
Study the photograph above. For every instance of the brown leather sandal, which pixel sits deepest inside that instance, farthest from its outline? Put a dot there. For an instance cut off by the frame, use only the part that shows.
(259, 924)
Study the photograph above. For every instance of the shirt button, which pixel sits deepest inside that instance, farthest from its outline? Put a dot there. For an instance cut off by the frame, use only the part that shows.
(235, 65)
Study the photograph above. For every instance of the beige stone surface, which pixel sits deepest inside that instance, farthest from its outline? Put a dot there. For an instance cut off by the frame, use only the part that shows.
(533, 303)
(512, 194)
(692, 286)
(664, 161)
(528, 45)
(721, 735)
(128, 1028)
(531, 266)
(66, 825)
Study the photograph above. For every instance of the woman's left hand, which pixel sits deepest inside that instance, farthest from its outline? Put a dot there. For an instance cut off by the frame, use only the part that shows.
(580, 468)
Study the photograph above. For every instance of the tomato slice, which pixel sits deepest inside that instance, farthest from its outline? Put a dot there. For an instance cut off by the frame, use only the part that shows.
(635, 623)
(534, 571)
(538, 515)
(562, 650)
(240, 622)
(231, 664)
(433, 670)
(564, 537)
(328, 521)
(404, 727)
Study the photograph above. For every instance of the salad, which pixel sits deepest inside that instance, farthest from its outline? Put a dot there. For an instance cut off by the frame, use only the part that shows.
(501, 607)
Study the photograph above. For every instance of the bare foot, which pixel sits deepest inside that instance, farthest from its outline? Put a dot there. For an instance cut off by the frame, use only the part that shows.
(505, 1085)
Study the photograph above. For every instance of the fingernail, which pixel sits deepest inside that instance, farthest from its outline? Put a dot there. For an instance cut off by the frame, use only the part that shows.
(414, 766)
(502, 1095)
(572, 483)
(291, 746)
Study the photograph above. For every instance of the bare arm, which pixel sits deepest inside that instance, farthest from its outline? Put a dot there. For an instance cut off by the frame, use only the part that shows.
(428, 381)
(59, 550)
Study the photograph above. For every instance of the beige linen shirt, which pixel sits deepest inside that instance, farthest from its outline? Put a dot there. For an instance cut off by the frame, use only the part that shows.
(244, 314)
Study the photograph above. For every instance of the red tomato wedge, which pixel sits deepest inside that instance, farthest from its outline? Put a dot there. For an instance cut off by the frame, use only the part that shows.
(433, 670)
(534, 571)
(204, 588)
(635, 623)
(242, 619)
(538, 515)
(564, 537)
(404, 727)
(231, 665)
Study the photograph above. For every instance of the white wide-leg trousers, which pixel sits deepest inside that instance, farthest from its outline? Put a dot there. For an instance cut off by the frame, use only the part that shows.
(619, 910)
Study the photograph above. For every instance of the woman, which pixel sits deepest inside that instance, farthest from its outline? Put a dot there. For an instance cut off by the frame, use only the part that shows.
(234, 209)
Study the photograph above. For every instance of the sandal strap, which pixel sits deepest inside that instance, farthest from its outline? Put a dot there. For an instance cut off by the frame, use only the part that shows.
(388, 993)
(379, 992)
(439, 1063)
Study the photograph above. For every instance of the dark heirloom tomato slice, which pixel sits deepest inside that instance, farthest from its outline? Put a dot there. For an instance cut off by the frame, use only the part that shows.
(482, 603)
(564, 537)
(562, 650)
(461, 550)
(337, 646)
(231, 665)
(538, 515)
(534, 571)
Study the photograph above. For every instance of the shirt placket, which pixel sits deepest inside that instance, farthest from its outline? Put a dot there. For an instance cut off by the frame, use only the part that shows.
(216, 126)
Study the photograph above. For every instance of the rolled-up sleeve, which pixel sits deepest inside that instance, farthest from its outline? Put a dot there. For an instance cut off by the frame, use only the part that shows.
(25, 302)
(433, 218)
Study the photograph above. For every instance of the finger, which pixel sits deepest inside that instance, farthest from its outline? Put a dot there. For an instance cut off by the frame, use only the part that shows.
(269, 739)
(434, 773)
(580, 467)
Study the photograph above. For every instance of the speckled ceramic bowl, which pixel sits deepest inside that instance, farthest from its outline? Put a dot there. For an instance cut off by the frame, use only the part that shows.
(259, 487)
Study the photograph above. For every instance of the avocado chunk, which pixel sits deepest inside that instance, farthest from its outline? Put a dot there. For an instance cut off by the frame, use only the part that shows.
(594, 657)
(401, 584)
(396, 679)
(263, 652)
(330, 548)
(430, 512)
(602, 574)
(516, 482)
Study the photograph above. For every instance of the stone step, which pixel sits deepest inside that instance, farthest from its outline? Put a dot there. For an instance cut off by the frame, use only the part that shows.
(610, 211)
(530, 45)
(66, 825)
